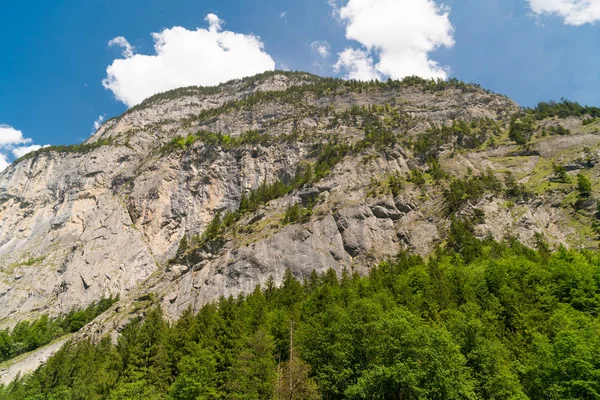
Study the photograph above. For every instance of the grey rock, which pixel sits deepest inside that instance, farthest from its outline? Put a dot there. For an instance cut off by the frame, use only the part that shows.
(403, 204)
(386, 209)
(382, 212)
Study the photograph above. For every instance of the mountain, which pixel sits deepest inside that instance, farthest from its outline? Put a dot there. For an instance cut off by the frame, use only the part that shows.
(199, 192)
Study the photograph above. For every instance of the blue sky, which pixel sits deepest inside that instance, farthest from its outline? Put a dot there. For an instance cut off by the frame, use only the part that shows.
(55, 54)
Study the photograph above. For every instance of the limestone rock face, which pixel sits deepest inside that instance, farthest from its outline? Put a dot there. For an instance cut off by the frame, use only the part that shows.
(107, 217)
(65, 238)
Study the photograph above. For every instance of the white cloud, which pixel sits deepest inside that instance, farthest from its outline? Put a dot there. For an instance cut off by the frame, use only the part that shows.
(283, 15)
(21, 151)
(10, 136)
(401, 34)
(98, 122)
(214, 22)
(126, 48)
(183, 58)
(13, 145)
(321, 47)
(574, 12)
(357, 64)
(334, 5)
(3, 162)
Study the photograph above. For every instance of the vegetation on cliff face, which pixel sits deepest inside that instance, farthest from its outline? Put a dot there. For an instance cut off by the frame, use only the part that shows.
(327, 155)
(465, 135)
(312, 84)
(479, 320)
(563, 109)
(227, 141)
(81, 148)
(522, 128)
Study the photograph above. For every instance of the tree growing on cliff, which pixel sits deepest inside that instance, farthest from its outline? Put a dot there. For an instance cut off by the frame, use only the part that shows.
(522, 129)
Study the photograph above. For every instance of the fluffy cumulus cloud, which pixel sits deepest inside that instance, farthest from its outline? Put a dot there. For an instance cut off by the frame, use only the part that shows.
(183, 58)
(321, 47)
(400, 34)
(13, 145)
(357, 64)
(126, 48)
(10, 136)
(574, 12)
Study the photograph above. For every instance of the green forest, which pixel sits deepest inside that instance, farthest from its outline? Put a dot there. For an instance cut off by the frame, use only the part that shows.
(27, 336)
(478, 319)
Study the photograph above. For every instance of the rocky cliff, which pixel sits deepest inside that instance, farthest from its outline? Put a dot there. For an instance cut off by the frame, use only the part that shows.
(109, 217)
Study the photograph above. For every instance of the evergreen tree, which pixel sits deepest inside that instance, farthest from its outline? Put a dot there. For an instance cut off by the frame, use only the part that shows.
(293, 381)
(522, 129)
(253, 375)
(477, 319)
(584, 185)
(197, 378)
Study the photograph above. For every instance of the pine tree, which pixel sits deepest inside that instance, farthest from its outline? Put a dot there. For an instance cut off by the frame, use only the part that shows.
(197, 376)
(183, 246)
(291, 290)
(293, 381)
(146, 357)
(584, 185)
(253, 374)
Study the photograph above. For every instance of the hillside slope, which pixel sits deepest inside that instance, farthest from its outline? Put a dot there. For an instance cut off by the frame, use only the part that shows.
(368, 165)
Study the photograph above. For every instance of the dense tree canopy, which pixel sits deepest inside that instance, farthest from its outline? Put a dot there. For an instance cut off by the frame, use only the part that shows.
(27, 336)
(511, 323)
